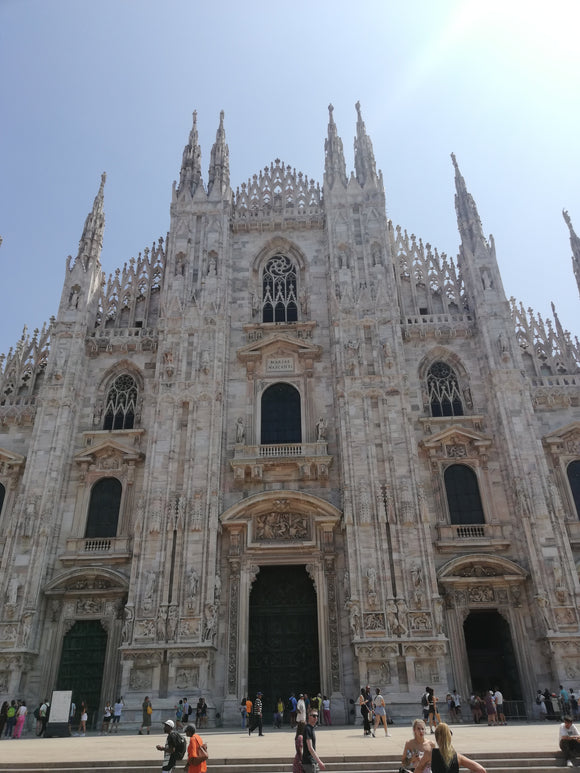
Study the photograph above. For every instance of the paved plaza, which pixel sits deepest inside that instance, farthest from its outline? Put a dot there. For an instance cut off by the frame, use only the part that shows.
(473, 740)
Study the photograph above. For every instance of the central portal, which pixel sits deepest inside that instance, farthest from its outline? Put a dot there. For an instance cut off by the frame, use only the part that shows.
(283, 637)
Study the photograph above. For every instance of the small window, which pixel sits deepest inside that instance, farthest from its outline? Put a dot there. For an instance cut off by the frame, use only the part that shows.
(279, 292)
(103, 516)
(121, 404)
(574, 480)
(443, 388)
(463, 496)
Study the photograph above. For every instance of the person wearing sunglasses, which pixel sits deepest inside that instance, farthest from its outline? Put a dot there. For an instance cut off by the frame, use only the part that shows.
(311, 762)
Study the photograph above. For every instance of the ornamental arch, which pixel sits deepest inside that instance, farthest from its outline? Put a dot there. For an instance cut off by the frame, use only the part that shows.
(281, 529)
(480, 590)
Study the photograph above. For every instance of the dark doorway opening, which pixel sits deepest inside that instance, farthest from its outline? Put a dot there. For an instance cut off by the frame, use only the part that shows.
(490, 651)
(283, 639)
(81, 667)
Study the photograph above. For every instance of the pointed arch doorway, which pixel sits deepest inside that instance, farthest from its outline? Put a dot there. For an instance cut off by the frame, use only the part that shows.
(490, 653)
(283, 635)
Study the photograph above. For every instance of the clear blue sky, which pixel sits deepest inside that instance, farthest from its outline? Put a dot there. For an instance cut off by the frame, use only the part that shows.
(87, 87)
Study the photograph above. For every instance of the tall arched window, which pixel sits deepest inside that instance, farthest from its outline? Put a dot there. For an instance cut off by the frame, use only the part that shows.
(2, 495)
(121, 404)
(574, 480)
(443, 388)
(104, 506)
(463, 496)
(279, 291)
(281, 421)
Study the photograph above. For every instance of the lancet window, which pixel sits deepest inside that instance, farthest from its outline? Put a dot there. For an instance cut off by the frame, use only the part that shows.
(573, 472)
(121, 404)
(2, 496)
(281, 421)
(104, 507)
(279, 291)
(443, 388)
(463, 498)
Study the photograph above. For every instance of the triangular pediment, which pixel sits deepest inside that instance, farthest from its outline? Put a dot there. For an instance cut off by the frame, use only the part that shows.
(567, 432)
(457, 435)
(10, 458)
(279, 344)
(109, 449)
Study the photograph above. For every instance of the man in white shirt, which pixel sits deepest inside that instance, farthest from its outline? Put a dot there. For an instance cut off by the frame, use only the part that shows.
(569, 740)
(498, 698)
(301, 713)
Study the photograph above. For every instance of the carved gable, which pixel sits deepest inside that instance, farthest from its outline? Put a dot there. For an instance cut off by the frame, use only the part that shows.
(458, 443)
(565, 442)
(279, 354)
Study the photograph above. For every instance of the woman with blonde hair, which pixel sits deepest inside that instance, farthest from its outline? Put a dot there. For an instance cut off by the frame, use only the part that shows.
(416, 747)
(445, 759)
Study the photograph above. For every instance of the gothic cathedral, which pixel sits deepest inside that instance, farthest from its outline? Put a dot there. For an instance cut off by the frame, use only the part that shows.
(290, 448)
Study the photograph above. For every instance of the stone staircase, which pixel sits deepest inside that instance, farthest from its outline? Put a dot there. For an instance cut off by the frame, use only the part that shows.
(494, 762)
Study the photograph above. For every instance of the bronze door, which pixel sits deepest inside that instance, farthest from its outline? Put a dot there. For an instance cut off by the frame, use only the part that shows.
(283, 637)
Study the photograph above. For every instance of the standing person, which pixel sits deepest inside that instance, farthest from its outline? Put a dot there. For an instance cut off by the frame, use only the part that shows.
(451, 708)
(416, 747)
(20, 719)
(84, 717)
(106, 724)
(573, 705)
(243, 712)
(172, 745)
(293, 703)
(475, 706)
(326, 710)
(43, 716)
(249, 707)
(279, 713)
(569, 739)
(498, 698)
(425, 705)
(179, 715)
(3, 711)
(457, 700)
(117, 711)
(146, 718)
(311, 762)
(71, 716)
(490, 709)
(364, 710)
(257, 718)
(380, 711)
(301, 713)
(196, 752)
(565, 700)
(10, 719)
(445, 759)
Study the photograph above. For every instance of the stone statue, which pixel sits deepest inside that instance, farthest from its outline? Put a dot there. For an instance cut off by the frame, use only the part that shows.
(240, 430)
(193, 583)
(210, 622)
(320, 430)
(150, 583)
(354, 620)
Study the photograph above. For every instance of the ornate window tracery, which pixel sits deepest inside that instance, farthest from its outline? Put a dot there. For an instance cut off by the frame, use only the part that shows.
(121, 404)
(463, 497)
(573, 472)
(279, 290)
(104, 507)
(443, 388)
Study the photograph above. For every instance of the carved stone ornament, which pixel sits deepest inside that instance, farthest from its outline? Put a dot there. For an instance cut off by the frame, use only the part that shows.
(374, 621)
(141, 678)
(281, 527)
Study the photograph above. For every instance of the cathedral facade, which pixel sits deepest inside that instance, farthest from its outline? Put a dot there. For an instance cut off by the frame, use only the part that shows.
(291, 448)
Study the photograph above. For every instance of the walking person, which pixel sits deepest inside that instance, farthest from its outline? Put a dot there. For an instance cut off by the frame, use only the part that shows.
(311, 762)
(257, 719)
(434, 718)
(10, 719)
(445, 759)
(196, 752)
(326, 711)
(364, 710)
(84, 718)
(380, 711)
(298, 746)
(172, 747)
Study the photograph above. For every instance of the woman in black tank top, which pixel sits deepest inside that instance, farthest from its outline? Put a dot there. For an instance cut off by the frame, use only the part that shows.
(445, 759)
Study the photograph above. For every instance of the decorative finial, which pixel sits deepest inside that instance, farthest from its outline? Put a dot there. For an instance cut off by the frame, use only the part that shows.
(357, 108)
(566, 217)
(330, 109)
(454, 160)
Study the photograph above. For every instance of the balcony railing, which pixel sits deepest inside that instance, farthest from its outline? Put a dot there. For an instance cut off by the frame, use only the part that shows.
(455, 536)
(87, 548)
(280, 450)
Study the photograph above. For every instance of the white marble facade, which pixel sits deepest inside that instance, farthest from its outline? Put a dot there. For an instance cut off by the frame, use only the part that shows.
(360, 500)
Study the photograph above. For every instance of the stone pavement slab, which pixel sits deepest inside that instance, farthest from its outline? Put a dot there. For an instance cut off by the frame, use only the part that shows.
(469, 739)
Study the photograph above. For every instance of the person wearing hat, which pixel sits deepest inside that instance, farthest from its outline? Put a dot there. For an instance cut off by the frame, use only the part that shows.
(196, 752)
(256, 720)
(171, 745)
